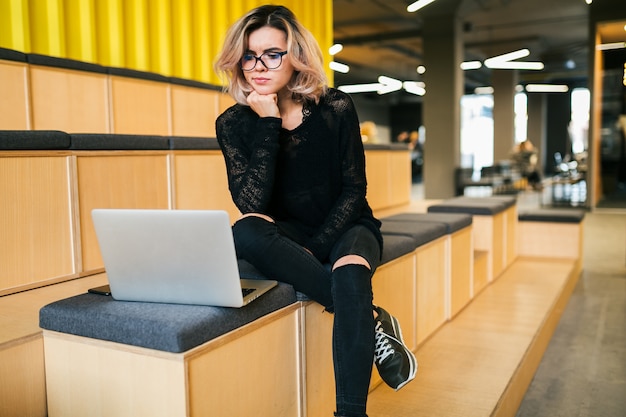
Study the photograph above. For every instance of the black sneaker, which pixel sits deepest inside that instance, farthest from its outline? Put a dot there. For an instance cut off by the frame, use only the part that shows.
(395, 362)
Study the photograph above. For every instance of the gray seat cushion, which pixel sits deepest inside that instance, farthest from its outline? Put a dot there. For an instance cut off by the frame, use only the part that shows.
(33, 140)
(394, 246)
(72, 64)
(552, 215)
(452, 221)
(473, 205)
(12, 55)
(167, 327)
(97, 141)
(192, 143)
(421, 233)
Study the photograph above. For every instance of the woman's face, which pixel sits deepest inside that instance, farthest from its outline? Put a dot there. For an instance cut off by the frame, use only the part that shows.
(262, 80)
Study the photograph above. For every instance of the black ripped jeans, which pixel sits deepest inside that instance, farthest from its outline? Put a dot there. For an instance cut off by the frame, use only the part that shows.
(346, 291)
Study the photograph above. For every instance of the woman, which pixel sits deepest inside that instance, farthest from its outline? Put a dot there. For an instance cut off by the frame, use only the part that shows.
(296, 171)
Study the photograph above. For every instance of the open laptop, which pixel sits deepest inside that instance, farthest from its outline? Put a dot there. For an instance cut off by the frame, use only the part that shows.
(173, 256)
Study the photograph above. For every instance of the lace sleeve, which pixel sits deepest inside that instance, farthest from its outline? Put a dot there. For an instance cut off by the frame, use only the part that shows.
(250, 146)
(351, 202)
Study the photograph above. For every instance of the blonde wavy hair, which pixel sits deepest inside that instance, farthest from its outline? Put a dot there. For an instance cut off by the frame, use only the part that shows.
(309, 81)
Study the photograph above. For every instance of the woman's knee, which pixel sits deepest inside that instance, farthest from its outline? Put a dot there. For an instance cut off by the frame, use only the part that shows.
(250, 229)
(351, 260)
(262, 216)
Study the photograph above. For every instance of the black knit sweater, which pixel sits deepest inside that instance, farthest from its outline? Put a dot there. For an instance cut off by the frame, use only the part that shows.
(312, 177)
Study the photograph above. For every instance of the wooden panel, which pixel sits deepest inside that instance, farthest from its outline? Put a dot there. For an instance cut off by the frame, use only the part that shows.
(194, 111)
(22, 381)
(431, 288)
(140, 107)
(69, 100)
(511, 235)
(378, 179)
(14, 100)
(499, 245)
(86, 377)
(481, 272)
(254, 375)
(394, 290)
(552, 240)
(224, 102)
(19, 313)
(37, 241)
(318, 360)
(484, 239)
(118, 180)
(461, 270)
(200, 183)
(400, 166)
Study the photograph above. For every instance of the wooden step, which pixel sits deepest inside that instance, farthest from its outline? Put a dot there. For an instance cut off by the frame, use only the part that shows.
(481, 363)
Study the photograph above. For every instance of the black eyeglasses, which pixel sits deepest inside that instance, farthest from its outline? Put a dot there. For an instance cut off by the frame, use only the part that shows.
(270, 60)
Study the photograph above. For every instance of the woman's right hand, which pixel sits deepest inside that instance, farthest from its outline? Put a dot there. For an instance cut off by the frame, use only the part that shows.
(264, 105)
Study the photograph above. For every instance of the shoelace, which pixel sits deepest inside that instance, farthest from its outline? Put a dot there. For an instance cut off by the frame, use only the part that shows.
(383, 348)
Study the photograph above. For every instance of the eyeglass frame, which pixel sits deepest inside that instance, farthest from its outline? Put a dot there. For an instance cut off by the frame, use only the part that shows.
(259, 59)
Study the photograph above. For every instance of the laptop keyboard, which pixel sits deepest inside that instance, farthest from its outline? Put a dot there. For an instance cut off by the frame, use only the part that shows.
(246, 291)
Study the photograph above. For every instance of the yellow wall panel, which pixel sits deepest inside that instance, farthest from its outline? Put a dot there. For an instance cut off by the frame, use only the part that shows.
(219, 25)
(80, 24)
(110, 33)
(160, 33)
(136, 25)
(47, 25)
(201, 23)
(168, 37)
(182, 39)
(14, 25)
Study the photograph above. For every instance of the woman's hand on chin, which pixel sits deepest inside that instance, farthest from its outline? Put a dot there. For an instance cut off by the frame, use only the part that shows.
(265, 105)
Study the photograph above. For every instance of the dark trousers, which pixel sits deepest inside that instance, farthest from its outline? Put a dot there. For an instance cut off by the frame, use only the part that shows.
(346, 291)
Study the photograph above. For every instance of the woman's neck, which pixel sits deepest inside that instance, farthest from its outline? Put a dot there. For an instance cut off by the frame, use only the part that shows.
(290, 112)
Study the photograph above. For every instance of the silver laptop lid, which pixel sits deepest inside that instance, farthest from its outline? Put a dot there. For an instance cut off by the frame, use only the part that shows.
(169, 256)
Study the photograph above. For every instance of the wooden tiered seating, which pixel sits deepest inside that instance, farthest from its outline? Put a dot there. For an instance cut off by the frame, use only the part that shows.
(150, 161)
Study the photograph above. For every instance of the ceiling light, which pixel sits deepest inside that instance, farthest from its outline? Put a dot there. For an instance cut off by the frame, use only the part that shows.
(421, 69)
(547, 88)
(470, 65)
(522, 53)
(413, 7)
(360, 88)
(483, 90)
(517, 65)
(588, 1)
(339, 67)
(335, 49)
(613, 45)
(389, 84)
(414, 87)
(505, 61)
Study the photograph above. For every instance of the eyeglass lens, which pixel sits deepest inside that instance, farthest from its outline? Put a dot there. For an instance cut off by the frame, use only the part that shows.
(271, 60)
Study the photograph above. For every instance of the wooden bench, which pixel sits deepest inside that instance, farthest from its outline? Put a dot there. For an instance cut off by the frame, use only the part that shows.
(292, 344)
(459, 259)
(128, 358)
(551, 233)
(53, 180)
(495, 230)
